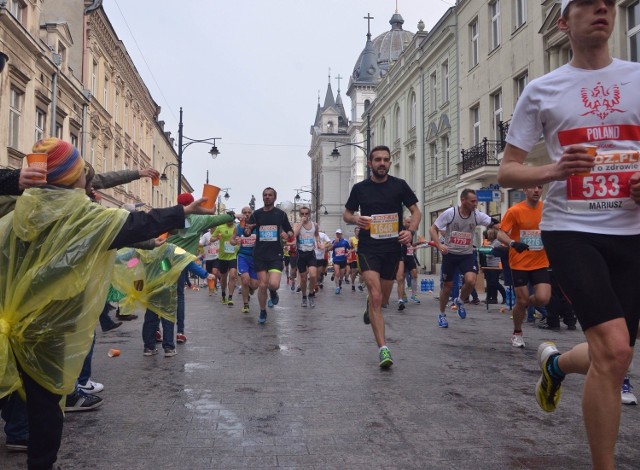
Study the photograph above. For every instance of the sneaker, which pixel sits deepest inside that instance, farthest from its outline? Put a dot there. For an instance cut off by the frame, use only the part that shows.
(17, 445)
(404, 299)
(270, 303)
(158, 336)
(245, 308)
(91, 387)
(401, 305)
(346, 281)
(263, 317)
(475, 301)
(229, 303)
(333, 277)
(572, 327)
(298, 290)
(113, 326)
(360, 288)
(224, 301)
(385, 358)
(80, 401)
(415, 299)
(304, 303)
(461, 310)
(365, 317)
(293, 287)
(275, 299)
(517, 341)
(548, 390)
(628, 398)
(150, 352)
(337, 290)
(181, 338)
(321, 285)
(126, 317)
(442, 321)
(312, 302)
(545, 326)
(353, 288)
(170, 352)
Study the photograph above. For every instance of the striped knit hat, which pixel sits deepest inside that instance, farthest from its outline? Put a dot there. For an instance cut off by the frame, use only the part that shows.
(64, 163)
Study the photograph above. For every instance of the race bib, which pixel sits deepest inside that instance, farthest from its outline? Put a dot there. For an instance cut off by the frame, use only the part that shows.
(211, 250)
(460, 238)
(384, 226)
(606, 187)
(340, 251)
(268, 233)
(410, 251)
(229, 248)
(308, 241)
(248, 242)
(532, 238)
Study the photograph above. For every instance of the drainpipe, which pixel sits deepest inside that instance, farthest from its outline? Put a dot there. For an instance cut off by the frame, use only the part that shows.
(85, 113)
(57, 60)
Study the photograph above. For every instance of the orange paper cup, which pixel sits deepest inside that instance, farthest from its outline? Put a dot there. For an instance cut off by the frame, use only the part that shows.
(113, 353)
(164, 236)
(368, 226)
(211, 193)
(591, 150)
(155, 181)
(37, 160)
(211, 283)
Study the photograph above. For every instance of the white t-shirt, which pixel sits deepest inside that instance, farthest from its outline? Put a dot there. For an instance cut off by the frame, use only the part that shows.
(210, 249)
(324, 238)
(576, 106)
(459, 230)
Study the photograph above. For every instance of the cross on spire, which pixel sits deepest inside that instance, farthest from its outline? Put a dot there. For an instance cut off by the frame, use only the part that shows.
(339, 77)
(329, 75)
(396, 6)
(369, 18)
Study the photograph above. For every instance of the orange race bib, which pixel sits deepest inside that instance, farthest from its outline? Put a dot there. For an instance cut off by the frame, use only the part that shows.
(384, 226)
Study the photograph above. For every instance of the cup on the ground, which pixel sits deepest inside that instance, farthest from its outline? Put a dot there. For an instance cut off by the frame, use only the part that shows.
(113, 353)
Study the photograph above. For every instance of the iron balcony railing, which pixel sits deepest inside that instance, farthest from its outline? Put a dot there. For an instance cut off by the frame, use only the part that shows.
(485, 153)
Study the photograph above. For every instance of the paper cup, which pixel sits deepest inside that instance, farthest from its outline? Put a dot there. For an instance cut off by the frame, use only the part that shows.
(591, 150)
(37, 160)
(113, 353)
(211, 283)
(368, 219)
(211, 193)
(163, 236)
(155, 181)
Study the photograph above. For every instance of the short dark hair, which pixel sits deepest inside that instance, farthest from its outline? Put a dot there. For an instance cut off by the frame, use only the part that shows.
(377, 148)
(466, 192)
(275, 193)
(305, 207)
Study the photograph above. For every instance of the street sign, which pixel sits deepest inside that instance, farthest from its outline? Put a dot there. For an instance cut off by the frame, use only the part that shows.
(488, 195)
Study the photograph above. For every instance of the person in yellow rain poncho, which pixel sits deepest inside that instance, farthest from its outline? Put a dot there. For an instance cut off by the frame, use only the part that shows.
(57, 245)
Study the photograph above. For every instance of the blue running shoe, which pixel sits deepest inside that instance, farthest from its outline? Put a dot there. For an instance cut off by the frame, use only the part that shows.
(461, 311)
(270, 303)
(263, 317)
(337, 290)
(442, 321)
(275, 299)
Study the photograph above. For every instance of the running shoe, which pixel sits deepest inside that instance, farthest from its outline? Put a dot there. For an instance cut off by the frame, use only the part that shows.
(442, 321)
(304, 302)
(337, 290)
(150, 352)
(628, 398)
(293, 287)
(401, 305)
(548, 389)
(353, 288)
(81, 401)
(461, 310)
(229, 303)
(170, 352)
(517, 341)
(91, 387)
(360, 288)
(181, 338)
(263, 317)
(312, 302)
(275, 299)
(270, 303)
(158, 336)
(385, 358)
(365, 317)
(245, 308)
(224, 301)
(415, 299)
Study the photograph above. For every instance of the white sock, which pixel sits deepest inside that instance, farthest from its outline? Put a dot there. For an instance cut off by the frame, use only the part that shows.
(383, 347)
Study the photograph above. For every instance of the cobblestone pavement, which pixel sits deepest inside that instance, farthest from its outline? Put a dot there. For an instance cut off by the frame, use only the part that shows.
(305, 391)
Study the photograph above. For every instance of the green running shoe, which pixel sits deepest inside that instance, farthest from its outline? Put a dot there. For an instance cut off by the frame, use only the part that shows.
(548, 389)
(385, 358)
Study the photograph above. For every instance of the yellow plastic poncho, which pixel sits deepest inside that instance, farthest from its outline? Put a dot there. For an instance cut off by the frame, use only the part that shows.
(148, 278)
(55, 268)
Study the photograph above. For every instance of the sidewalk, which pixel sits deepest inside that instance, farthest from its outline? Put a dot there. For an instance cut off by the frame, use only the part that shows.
(305, 391)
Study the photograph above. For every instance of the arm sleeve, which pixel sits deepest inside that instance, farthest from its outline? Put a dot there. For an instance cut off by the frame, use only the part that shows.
(526, 127)
(9, 182)
(139, 226)
(483, 219)
(193, 268)
(114, 178)
(409, 198)
(353, 203)
(444, 219)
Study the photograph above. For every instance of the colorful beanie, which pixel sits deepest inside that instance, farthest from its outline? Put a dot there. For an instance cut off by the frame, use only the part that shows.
(185, 199)
(64, 163)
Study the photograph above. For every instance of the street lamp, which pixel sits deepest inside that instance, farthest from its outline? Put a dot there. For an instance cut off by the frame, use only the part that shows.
(226, 196)
(326, 212)
(214, 152)
(163, 177)
(304, 190)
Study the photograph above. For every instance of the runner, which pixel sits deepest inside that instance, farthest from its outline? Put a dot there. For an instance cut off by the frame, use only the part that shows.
(293, 256)
(520, 230)
(321, 259)
(306, 232)
(339, 249)
(352, 260)
(591, 221)
(272, 228)
(246, 270)
(458, 225)
(380, 199)
(211, 248)
(227, 259)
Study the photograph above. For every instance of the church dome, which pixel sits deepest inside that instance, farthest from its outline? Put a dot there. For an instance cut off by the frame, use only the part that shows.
(387, 47)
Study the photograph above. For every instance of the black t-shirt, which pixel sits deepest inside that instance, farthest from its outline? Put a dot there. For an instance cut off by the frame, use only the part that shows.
(269, 226)
(383, 202)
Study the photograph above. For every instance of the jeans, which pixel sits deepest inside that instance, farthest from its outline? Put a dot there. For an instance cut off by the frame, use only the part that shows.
(105, 320)
(14, 413)
(149, 328)
(85, 373)
(180, 314)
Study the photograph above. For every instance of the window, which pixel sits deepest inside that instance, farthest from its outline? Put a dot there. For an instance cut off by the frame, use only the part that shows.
(494, 13)
(384, 132)
(520, 11)
(58, 130)
(41, 122)
(15, 112)
(433, 92)
(74, 140)
(104, 158)
(126, 117)
(473, 34)
(496, 109)
(633, 31)
(521, 82)
(444, 76)
(412, 111)
(18, 10)
(94, 79)
(444, 142)
(93, 151)
(475, 120)
(116, 107)
(396, 124)
(433, 150)
(105, 93)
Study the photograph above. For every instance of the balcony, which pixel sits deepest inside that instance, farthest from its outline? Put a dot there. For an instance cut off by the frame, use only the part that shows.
(485, 153)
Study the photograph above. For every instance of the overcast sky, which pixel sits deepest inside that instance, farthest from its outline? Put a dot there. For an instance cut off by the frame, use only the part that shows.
(249, 71)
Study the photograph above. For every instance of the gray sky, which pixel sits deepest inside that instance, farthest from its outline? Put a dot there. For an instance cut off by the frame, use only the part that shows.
(249, 71)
